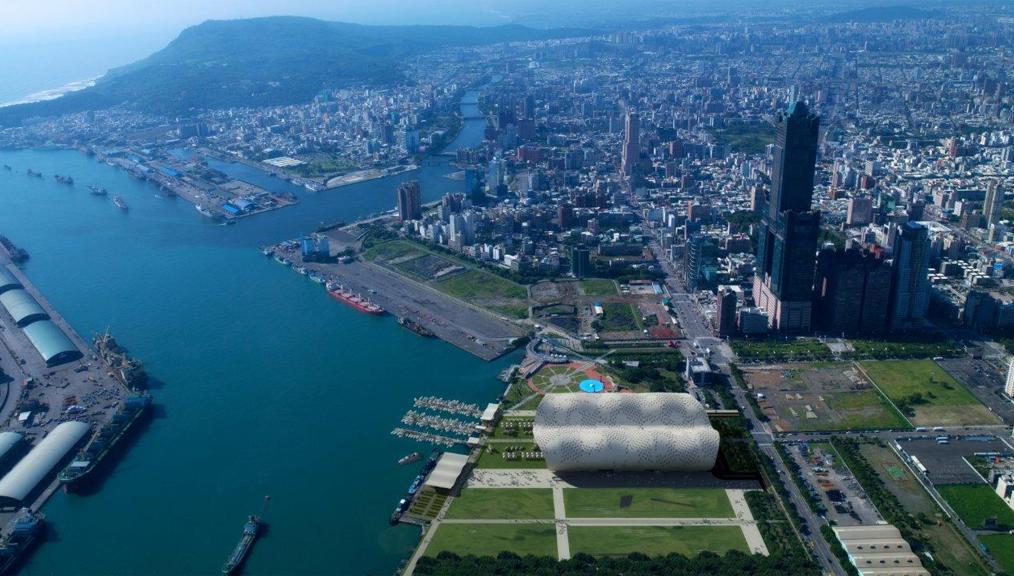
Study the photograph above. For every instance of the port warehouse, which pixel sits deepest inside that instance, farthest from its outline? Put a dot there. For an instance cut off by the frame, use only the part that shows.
(18, 484)
(46, 337)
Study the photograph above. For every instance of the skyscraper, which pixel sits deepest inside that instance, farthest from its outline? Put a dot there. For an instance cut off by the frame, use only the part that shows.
(910, 287)
(409, 201)
(788, 230)
(631, 143)
(994, 203)
(727, 301)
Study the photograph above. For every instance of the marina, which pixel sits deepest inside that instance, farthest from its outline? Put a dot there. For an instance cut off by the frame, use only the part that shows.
(427, 437)
(413, 418)
(451, 406)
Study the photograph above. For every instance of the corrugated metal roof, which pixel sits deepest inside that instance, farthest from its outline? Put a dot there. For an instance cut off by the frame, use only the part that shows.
(7, 280)
(8, 440)
(51, 343)
(26, 475)
(447, 470)
(22, 306)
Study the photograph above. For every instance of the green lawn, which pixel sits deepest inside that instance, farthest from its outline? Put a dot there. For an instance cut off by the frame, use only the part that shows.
(487, 290)
(655, 540)
(503, 503)
(619, 317)
(393, 249)
(496, 460)
(491, 539)
(647, 503)
(1001, 547)
(927, 394)
(861, 410)
(598, 287)
(974, 503)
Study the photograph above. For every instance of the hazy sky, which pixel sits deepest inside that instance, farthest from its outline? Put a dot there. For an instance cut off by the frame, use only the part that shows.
(36, 21)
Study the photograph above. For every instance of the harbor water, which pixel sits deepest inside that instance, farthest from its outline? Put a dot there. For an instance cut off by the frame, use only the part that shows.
(263, 384)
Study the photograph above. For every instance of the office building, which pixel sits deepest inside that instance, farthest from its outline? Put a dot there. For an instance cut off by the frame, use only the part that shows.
(580, 262)
(727, 301)
(788, 230)
(993, 205)
(631, 143)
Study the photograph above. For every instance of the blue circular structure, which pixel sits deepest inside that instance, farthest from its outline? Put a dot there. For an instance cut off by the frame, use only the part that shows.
(591, 386)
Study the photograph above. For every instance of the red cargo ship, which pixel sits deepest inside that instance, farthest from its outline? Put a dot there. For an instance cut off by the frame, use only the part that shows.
(338, 292)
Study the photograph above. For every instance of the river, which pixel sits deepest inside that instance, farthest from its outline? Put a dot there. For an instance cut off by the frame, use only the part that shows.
(263, 384)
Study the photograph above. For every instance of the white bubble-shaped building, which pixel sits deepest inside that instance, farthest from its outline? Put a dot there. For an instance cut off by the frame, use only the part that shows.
(654, 431)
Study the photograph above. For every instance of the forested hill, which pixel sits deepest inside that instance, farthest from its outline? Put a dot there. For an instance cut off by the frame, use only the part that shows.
(268, 61)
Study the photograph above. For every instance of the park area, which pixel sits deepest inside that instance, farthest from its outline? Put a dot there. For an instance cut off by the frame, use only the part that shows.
(977, 504)
(503, 503)
(1001, 547)
(491, 539)
(598, 287)
(655, 540)
(523, 520)
(821, 396)
(452, 276)
(619, 317)
(926, 394)
(647, 503)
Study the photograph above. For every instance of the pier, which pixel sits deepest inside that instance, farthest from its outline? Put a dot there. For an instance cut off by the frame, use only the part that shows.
(427, 437)
(450, 406)
(413, 418)
(47, 380)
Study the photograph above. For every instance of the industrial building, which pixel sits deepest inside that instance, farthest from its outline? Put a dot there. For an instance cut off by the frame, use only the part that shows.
(26, 475)
(22, 307)
(52, 344)
(48, 339)
(651, 431)
(879, 551)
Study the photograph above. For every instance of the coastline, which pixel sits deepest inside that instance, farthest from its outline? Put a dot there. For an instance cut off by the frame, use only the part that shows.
(54, 93)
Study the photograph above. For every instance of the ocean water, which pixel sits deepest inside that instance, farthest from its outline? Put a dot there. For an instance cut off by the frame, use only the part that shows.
(263, 384)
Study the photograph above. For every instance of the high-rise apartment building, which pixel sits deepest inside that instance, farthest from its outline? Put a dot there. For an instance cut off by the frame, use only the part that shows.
(910, 288)
(409, 201)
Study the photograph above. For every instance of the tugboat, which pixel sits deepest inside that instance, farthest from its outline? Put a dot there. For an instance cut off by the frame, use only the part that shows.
(250, 532)
(97, 191)
(409, 458)
(17, 255)
(120, 202)
(68, 180)
(19, 535)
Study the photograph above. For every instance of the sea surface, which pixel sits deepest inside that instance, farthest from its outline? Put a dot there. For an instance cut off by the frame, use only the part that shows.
(264, 385)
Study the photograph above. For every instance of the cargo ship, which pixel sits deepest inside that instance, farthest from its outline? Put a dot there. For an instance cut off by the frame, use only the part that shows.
(416, 327)
(338, 292)
(250, 532)
(129, 371)
(120, 202)
(130, 411)
(17, 538)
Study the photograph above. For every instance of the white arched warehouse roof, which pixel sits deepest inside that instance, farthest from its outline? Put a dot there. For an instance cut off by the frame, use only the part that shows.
(8, 440)
(26, 474)
(652, 431)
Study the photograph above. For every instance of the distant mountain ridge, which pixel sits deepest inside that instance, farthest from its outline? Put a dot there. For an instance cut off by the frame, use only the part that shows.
(268, 61)
(883, 14)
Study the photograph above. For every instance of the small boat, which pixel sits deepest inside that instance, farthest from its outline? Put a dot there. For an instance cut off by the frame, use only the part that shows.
(410, 458)
(97, 191)
(7, 167)
(120, 202)
(206, 211)
(33, 173)
(68, 180)
(268, 252)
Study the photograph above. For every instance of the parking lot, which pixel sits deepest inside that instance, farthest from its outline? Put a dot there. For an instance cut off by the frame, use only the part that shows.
(946, 463)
